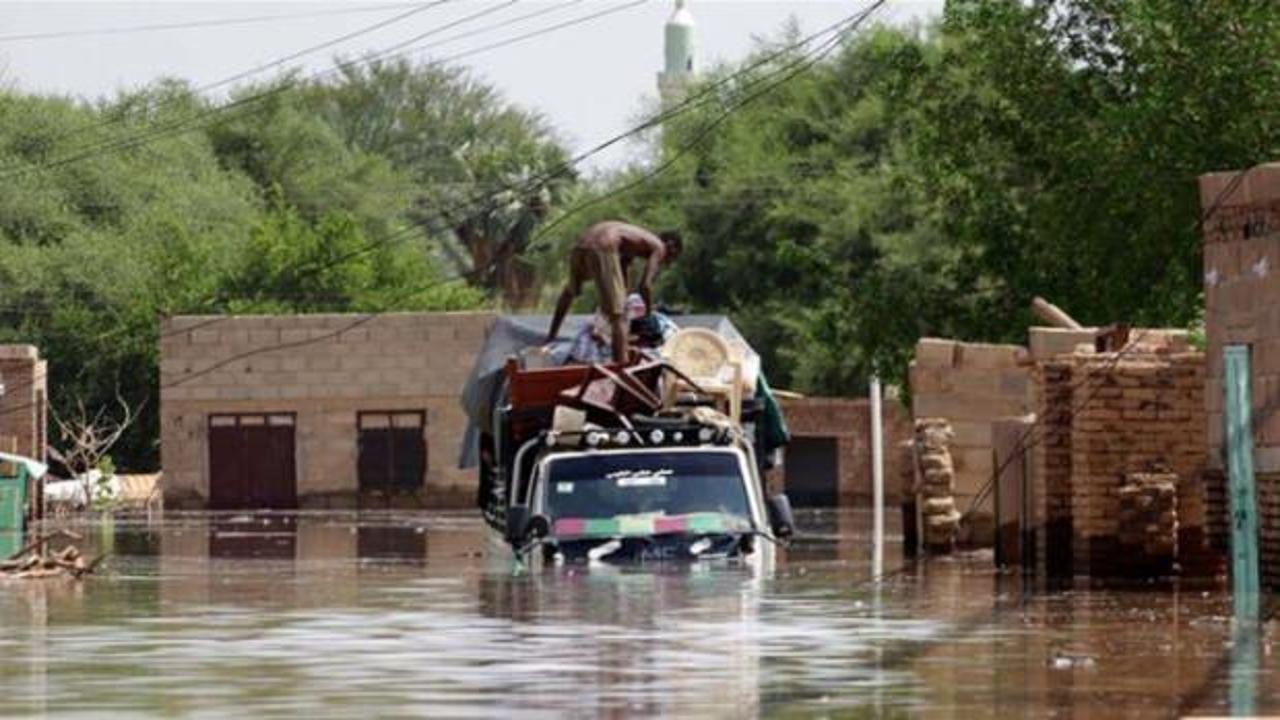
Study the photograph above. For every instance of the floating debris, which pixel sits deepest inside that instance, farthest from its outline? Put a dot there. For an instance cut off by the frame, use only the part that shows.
(1064, 661)
(33, 562)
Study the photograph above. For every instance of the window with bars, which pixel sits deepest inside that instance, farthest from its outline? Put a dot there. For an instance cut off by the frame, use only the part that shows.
(393, 450)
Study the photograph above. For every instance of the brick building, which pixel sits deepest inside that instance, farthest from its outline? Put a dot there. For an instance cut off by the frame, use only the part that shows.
(24, 393)
(316, 411)
(999, 399)
(829, 460)
(1242, 307)
(1115, 428)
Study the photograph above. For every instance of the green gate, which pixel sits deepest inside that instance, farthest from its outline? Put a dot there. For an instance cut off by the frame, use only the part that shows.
(13, 507)
(1242, 490)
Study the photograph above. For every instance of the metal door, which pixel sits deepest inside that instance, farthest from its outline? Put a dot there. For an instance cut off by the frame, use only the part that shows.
(251, 462)
(813, 471)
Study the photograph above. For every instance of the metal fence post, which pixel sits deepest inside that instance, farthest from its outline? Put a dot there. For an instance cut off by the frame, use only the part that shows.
(1242, 483)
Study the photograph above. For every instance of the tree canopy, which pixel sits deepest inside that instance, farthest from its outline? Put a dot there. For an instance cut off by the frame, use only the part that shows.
(299, 196)
(916, 181)
(932, 181)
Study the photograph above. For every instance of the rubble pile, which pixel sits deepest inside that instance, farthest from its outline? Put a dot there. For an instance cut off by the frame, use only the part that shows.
(1148, 518)
(33, 562)
(936, 484)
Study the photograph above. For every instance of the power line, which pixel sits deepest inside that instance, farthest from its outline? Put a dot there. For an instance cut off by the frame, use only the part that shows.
(322, 46)
(192, 24)
(124, 114)
(1022, 447)
(839, 29)
(709, 91)
(186, 124)
(795, 68)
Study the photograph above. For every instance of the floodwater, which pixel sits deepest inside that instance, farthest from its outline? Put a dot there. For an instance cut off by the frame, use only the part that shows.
(399, 614)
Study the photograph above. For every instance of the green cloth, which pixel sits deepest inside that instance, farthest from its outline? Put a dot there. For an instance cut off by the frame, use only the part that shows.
(773, 426)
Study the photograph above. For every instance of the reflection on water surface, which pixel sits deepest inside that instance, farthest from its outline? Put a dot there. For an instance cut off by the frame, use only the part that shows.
(318, 615)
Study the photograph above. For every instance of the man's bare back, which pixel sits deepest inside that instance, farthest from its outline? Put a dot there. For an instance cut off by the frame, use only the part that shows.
(604, 254)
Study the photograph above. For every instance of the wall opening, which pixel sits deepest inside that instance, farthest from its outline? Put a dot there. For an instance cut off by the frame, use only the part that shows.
(813, 472)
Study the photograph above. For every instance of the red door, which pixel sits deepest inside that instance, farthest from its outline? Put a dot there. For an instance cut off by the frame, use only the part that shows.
(251, 462)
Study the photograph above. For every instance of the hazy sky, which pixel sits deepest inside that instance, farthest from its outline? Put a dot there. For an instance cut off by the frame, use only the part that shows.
(591, 79)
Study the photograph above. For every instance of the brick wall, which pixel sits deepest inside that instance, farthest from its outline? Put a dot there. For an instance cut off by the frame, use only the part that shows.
(1106, 418)
(970, 385)
(848, 420)
(1051, 475)
(325, 369)
(1242, 306)
(24, 403)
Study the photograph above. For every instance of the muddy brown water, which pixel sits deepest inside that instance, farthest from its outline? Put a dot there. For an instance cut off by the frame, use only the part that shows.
(403, 614)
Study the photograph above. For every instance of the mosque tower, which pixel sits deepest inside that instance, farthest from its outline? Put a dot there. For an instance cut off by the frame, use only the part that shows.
(680, 50)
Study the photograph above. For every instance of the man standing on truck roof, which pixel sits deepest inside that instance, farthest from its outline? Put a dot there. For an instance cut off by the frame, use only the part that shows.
(603, 255)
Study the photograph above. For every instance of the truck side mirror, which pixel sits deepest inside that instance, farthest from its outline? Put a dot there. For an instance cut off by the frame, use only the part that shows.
(517, 523)
(781, 519)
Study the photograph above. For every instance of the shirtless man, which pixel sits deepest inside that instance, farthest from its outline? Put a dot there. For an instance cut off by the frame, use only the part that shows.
(603, 255)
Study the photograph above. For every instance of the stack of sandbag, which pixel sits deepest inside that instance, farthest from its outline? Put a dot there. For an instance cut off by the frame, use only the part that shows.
(936, 484)
(1148, 519)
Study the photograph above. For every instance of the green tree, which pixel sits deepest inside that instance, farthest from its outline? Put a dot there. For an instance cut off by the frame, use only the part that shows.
(484, 172)
(933, 182)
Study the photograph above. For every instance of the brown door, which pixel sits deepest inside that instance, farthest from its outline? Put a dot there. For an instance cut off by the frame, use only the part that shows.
(251, 462)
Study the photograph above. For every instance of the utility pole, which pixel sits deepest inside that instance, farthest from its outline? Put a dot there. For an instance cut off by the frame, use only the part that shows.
(877, 481)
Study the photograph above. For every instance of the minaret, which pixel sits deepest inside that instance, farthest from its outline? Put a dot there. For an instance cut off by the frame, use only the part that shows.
(680, 48)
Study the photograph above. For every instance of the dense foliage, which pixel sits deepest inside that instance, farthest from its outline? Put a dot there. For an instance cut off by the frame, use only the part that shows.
(932, 182)
(306, 196)
(915, 181)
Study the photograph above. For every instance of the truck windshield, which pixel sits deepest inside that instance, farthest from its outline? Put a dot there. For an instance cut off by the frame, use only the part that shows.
(626, 485)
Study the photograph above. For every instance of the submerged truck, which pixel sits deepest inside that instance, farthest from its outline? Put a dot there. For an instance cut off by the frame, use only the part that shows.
(659, 460)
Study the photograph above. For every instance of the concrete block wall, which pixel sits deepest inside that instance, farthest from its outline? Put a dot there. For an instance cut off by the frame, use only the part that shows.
(848, 420)
(24, 401)
(325, 369)
(1242, 307)
(971, 385)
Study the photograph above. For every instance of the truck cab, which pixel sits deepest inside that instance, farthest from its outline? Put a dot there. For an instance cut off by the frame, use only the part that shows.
(626, 495)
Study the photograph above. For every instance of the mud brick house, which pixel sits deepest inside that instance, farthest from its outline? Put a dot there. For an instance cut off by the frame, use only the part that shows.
(1085, 437)
(316, 411)
(24, 393)
(1242, 307)
(1117, 481)
(828, 462)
